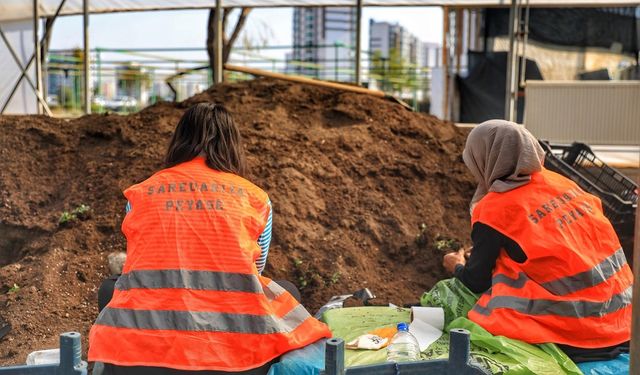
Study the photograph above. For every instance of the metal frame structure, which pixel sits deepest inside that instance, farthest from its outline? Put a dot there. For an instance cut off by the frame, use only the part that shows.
(85, 57)
(35, 57)
(515, 31)
(634, 365)
(37, 87)
(458, 362)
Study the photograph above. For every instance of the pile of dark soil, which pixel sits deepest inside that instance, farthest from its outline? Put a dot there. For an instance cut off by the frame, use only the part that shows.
(365, 194)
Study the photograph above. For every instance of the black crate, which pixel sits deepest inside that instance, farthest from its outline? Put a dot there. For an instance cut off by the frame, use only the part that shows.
(619, 194)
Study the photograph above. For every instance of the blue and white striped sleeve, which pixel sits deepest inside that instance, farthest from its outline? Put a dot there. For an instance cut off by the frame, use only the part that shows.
(127, 208)
(264, 241)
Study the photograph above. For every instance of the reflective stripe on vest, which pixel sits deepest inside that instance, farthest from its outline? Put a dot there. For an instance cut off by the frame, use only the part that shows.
(574, 283)
(203, 320)
(188, 279)
(197, 280)
(574, 309)
(273, 290)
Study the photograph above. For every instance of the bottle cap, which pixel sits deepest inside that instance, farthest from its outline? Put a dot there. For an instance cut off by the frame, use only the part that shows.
(403, 327)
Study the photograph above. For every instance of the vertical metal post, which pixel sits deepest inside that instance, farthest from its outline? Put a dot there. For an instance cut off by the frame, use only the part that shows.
(335, 61)
(87, 68)
(525, 40)
(99, 72)
(334, 357)
(470, 14)
(36, 52)
(70, 353)
(445, 63)
(217, 67)
(458, 351)
(510, 95)
(358, 42)
(459, 36)
(634, 366)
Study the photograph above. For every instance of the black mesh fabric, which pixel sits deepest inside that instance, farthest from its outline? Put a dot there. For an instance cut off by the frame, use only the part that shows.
(578, 27)
(482, 92)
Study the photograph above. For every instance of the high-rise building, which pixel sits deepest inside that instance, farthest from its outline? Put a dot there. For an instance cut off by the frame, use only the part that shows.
(323, 39)
(431, 55)
(386, 38)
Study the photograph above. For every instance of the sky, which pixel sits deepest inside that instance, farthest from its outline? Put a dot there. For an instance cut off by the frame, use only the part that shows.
(188, 28)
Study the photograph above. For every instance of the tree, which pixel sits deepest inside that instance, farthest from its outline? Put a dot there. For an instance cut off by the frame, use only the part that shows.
(227, 41)
(394, 73)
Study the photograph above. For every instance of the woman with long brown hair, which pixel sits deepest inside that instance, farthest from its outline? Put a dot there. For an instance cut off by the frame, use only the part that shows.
(191, 297)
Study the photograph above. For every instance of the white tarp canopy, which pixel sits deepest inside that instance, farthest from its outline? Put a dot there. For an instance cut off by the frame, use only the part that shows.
(23, 9)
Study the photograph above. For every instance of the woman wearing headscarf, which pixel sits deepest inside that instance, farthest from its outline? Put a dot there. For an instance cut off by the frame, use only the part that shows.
(548, 262)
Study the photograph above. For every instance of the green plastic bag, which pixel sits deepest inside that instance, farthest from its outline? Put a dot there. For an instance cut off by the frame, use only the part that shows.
(450, 294)
(498, 354)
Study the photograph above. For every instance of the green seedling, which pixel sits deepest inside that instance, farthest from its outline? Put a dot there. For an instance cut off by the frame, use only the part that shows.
(297, 262)
(447, 244)
(82, 211)
(303, 282)
(335, 277)
(67, 218)
(14, 289)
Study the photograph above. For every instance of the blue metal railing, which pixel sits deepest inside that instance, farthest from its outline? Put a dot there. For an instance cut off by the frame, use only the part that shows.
(71, 362)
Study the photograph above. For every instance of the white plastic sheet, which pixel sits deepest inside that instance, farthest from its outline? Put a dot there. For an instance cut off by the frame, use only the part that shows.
(23, 9)
(20, 36)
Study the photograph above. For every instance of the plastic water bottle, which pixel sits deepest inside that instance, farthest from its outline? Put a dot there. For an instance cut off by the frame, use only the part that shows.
(404, 346)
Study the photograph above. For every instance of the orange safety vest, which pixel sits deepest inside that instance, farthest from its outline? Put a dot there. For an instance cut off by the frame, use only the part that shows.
(575, 287)
(190, 296)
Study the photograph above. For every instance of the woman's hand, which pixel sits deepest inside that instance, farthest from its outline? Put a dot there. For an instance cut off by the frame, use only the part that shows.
(467, 252)
(451, 260)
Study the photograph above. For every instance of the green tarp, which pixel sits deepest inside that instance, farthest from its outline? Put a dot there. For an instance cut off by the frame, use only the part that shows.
(497, 353)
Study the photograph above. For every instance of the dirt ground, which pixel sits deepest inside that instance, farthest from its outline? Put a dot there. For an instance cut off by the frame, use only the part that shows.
(365, 194)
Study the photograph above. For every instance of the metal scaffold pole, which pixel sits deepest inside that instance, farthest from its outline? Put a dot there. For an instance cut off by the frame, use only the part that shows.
(87, 68)
(358, 43)
(512, 61)
(445, 62)
(36, 46)
(217, 67)
(634, 366)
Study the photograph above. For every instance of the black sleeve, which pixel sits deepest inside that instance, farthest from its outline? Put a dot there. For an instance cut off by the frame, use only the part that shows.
(487, 244)
(476, 274)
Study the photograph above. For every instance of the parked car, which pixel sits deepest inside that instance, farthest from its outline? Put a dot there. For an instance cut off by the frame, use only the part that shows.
(122, 103)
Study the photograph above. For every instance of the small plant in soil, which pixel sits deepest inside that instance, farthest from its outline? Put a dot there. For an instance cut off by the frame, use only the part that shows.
(335, 277)
(444, 244)
(303, 282)
(67, 218)
(82, 212)
(14, 289)
(421, 238)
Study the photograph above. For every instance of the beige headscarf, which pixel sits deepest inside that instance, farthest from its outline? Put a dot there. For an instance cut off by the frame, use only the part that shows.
(502, 156)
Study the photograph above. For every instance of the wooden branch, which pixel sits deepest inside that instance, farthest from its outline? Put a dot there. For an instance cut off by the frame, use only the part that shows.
(211, 37)
(225, 19)
(242, 19)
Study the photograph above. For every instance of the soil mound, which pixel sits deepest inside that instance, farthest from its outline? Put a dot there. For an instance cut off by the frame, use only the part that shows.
(365, 194)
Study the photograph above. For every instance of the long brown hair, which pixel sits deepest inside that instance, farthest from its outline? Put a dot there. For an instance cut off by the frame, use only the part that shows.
(207, 129)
